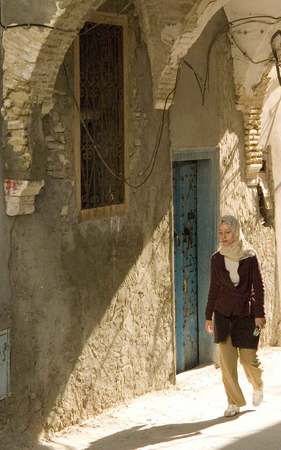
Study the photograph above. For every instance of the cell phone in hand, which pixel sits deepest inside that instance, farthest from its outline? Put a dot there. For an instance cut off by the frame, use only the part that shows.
(256, 331)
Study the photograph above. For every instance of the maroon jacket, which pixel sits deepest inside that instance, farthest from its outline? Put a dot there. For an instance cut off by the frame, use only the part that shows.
(243, 300)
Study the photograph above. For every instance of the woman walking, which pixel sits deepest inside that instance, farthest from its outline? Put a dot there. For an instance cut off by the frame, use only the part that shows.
(235, 312)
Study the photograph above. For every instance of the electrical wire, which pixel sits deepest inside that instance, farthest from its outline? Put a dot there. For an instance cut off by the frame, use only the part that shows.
(203, 86)
(244, 53)
(196, 76)
(150, 167)
(210, 48)
(225, 30)
(50, 27)
(255, 17)
(233, 26)
(37, 25)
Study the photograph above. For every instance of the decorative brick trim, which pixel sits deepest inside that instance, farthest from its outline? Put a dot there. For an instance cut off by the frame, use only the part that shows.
(253, 152)
(32, 58)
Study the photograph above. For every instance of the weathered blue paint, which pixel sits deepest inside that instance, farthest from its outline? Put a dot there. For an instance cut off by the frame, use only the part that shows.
(185, 229)
(207, 215)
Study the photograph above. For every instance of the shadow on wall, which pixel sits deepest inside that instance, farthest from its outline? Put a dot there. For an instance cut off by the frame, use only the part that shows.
(89, 303)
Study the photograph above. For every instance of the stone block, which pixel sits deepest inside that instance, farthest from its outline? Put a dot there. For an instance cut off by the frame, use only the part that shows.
(22, 187)
(18, 206)
(59, 128)
(15, 125)
(49, 139)
(54, 145)
(20, 196)
(19, 149)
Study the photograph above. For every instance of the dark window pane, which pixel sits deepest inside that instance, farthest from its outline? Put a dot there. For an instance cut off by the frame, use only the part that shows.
(102, 108)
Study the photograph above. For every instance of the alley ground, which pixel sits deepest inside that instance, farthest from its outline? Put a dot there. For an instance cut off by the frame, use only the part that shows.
(187, 417)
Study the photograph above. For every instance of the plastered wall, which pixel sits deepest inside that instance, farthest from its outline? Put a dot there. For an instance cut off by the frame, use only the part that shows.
(92, 304)
(218, 124)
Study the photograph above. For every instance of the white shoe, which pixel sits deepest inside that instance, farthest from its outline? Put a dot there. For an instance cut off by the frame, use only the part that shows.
(257, 397)
(231, 410)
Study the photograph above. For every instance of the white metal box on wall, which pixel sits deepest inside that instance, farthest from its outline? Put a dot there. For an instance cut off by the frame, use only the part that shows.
(4, 363)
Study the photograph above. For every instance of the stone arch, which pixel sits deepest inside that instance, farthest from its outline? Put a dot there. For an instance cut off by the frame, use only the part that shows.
(169, 37)
(251, 80)
(175, 38)
(194, 23)
(30, 50)
(32, 57)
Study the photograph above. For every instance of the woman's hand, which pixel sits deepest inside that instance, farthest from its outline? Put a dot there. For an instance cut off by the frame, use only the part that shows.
(209, 327)
(260, 322)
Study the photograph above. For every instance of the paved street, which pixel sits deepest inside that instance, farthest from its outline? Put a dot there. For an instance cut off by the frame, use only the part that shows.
(187, 417)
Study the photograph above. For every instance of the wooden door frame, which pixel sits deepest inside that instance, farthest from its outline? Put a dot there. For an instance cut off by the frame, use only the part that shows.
(122, 208)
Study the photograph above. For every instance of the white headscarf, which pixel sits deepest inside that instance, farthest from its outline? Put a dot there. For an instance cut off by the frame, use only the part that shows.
(240, 248)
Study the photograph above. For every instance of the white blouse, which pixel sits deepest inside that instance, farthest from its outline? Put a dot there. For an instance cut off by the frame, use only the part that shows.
(232, 268)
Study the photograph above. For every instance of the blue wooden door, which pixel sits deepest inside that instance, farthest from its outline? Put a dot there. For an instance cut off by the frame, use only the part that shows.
(185, 254)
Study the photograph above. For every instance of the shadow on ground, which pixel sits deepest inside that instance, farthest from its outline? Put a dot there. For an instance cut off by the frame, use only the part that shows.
(139, 436)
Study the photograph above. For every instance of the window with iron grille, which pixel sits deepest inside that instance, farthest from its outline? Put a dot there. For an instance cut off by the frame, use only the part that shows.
(101, 93)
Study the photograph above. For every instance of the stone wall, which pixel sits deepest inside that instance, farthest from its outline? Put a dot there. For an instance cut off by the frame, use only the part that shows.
(92, 310)
(6, 227)
(271, 140)
(218, 124)
(32, 57)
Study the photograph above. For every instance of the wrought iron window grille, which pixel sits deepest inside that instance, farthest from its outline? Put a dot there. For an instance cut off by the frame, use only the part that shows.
(102, 109)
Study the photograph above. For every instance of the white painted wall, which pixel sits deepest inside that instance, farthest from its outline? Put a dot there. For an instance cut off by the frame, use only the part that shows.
(254, 38)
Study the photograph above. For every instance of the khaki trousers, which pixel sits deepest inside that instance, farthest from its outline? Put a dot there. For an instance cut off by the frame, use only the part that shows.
(228, 356)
